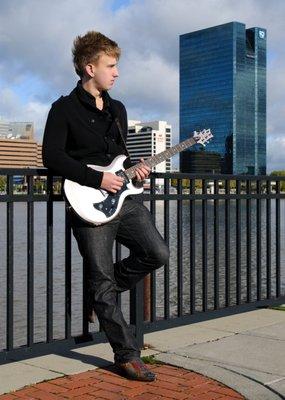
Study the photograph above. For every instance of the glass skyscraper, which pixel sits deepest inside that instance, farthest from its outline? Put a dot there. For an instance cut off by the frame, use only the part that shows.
(223, 87)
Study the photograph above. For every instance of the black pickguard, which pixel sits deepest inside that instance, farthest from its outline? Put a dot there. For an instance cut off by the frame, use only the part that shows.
(109, 205)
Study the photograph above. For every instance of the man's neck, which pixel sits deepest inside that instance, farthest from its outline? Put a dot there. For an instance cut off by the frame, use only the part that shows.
(91, 88)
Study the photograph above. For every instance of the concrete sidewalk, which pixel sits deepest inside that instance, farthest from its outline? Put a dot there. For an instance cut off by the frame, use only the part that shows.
(244, 351)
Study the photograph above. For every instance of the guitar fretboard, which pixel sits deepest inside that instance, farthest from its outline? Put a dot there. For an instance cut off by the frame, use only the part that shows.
(164, 155)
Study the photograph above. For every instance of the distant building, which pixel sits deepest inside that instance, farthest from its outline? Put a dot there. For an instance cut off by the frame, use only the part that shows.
(4, 128)
(223, 87)
(16, 130)
(18, 149)
(20, 153)
(146, 139)
(203, 162)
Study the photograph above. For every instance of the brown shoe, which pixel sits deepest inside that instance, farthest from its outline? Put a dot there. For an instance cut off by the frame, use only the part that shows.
(136, 369)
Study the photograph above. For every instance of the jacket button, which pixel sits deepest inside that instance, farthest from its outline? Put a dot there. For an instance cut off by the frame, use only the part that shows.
(108, 155)
(92, 120)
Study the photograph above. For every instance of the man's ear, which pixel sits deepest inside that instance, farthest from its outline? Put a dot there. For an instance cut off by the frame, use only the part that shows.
(89, 70)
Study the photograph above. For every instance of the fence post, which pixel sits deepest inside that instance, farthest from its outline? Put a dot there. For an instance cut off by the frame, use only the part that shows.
(137, 311)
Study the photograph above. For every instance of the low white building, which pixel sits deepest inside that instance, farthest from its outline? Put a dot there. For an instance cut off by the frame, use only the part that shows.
(146, 139)
(16, 130)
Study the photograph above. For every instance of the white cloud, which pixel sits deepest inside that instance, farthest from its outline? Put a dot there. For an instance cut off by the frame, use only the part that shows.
(276, 152)
(13, 110)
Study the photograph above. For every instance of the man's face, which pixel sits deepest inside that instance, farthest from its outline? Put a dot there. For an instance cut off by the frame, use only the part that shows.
(105, 71)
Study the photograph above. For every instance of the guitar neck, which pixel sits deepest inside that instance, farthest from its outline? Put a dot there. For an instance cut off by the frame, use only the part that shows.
(164, 155)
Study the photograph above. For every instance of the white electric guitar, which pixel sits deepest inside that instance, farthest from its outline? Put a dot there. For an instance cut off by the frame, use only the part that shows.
(98, 206)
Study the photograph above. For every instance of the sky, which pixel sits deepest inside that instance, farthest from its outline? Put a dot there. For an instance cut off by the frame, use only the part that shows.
(36, 67)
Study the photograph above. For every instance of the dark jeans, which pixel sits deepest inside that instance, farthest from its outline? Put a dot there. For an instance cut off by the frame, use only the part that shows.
(133, 227)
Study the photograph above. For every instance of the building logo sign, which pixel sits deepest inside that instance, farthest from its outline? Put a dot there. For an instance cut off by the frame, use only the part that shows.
(261, 34)
(159, 137)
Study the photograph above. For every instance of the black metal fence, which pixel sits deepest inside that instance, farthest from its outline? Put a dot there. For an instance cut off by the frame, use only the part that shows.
(224, 233)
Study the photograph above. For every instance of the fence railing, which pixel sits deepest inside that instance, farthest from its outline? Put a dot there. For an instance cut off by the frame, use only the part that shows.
(224, 233)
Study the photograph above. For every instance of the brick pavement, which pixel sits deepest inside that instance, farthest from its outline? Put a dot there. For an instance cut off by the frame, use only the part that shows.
(172, 383)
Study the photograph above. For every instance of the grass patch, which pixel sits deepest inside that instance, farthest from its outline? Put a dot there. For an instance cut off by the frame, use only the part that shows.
(279, 308)
(151, 360)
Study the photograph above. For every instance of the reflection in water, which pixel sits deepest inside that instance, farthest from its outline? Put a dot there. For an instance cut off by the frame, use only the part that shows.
(20, 264)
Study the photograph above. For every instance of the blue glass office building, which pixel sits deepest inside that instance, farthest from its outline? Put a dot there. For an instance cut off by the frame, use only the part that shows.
(223, 87)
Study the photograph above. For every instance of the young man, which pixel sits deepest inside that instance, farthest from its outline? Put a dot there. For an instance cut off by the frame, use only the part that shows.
(80, 129)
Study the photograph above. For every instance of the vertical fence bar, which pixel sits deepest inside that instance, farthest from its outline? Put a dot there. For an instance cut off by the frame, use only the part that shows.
(49, 278)
(67, 273)
(10, 265)
(204, 247)
(137, 298)
(268, 240)
(227, 243)
(216, 246)
(85, 300)
(258, 241)
(137, 312)
(192, 248)
(30, 262)
(179, 252)
(118, 250)
(278, 269)
(248, 241)
(166, 238)
(153, 273)
(238, 244)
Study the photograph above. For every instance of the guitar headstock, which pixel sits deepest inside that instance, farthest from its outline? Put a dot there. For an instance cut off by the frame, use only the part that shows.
(203, 137)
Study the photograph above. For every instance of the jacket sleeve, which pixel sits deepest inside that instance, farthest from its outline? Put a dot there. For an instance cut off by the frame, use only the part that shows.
(55, 156)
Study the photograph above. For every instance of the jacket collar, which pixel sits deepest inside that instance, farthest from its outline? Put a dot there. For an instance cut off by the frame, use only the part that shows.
(88, 98)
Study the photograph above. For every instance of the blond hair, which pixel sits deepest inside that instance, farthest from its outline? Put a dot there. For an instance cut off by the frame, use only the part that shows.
(89, 47)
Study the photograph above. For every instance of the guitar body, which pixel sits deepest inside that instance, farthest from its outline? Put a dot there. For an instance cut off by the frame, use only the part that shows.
(98, 206)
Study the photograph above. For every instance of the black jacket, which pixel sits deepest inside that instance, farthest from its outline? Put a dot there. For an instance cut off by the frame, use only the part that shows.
(78, 133)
